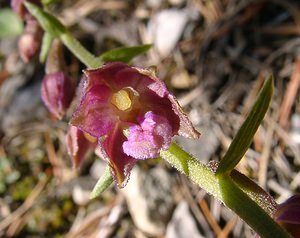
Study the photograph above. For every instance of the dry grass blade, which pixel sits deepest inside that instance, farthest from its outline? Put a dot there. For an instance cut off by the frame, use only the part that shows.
(228, 228)
(290, 95)
(29, 202)
(209, 217)
(264, 159)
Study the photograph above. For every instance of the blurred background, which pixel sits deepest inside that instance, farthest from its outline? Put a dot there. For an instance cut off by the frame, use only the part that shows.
(214, 55)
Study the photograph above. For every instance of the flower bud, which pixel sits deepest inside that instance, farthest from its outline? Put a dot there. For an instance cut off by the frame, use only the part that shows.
(19, 8)
(30, 41)
(57, 93)
(57, 88)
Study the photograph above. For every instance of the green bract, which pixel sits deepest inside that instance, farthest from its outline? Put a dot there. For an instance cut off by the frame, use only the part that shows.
(243, 139)
(124, 54)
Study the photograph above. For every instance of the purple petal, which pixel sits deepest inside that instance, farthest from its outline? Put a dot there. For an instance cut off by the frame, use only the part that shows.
(94, 114)
(116, 76)
(186, 127)
(111, 150)
(78, 145)
(146, 141)
(155, 84)
(160, 99)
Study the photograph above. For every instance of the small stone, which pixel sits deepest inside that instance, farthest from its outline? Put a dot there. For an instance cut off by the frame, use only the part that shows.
(165, 29)
(149, 198)
(97, 168)
(80, 195)
(182, 80)
(182, 224)
(177, 2)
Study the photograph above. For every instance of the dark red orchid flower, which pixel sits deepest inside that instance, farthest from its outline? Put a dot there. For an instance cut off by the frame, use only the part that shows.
(132, 114)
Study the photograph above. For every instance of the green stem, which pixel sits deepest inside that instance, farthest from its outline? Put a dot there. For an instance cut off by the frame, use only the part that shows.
(248, 210)
(193, 169)
(56, 29)
(79, 51)
(225, 190)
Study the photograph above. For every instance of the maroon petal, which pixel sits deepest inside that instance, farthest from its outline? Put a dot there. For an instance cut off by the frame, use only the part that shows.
(112, 151)
(186, 127)
(117, 76)
(94, 115)
(159, 98)
(104, 76)
(154, 84)
(78, 145)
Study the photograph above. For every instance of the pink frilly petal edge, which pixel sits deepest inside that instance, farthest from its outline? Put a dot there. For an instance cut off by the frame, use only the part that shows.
(186, 127)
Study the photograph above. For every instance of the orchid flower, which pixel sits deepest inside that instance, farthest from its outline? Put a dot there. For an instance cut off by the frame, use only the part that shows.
(131, 113)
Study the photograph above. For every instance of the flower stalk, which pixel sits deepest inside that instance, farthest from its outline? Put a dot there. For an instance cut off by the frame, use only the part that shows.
(225, 190)
(55, 28)
(80, 52)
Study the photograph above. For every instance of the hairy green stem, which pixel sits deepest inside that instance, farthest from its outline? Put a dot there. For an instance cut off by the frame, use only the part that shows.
(225, 190)
(79, 51)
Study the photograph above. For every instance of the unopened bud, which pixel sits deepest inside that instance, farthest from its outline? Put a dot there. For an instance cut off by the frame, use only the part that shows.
(30, 41)
(57, 93)
(19, 8)
(57, 88)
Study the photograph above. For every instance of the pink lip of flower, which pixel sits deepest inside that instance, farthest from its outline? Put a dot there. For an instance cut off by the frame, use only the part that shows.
(117, 100)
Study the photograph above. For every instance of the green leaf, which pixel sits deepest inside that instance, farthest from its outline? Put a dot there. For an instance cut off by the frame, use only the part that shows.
(243, 138)
(226, 189)
(248, 210)
(103, 183)
(46, 44)
(10, 23)
(49, 2)
(48, 22)
(124, 54)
